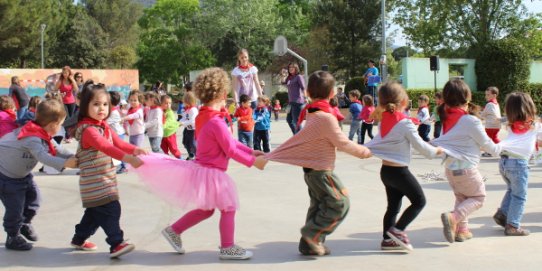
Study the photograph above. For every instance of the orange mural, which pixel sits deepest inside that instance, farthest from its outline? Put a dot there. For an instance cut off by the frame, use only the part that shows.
(39, 81)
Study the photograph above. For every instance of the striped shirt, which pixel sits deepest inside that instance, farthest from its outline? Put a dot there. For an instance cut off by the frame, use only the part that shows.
(316, 144)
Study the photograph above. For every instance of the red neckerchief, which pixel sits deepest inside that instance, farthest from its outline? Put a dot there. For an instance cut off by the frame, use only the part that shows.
(276, 107)
(452, 117)
(206, 113)
(389, 120)
(357, 101)
(114, 108)
(250, 65)
(131, 111)
(163, 113)
(323, 105)
(521, 127)
(33, 129)
(33, 110)
(340, 116)
(260, 108)
(421, 108)
(101, 123)
(14, 98)
(493, 100)
(11, 114)
(226, 114)
(186, 108)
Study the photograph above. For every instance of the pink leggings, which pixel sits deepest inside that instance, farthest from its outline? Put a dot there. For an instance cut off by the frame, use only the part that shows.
(227, 224)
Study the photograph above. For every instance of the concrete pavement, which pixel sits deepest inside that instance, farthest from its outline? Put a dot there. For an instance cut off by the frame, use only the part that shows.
(273, 207)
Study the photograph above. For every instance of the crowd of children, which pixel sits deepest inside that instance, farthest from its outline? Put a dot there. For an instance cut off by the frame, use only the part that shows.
(201, 184)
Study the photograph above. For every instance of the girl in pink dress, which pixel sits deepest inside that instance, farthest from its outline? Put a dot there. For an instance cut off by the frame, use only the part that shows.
(66, 85)
(202, 184)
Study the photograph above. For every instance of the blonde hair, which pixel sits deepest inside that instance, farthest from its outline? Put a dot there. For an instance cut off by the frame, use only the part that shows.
(50, 111)
(189, 98)
(265, 100)
(151, 95)
(6, 102)
(390, 97)
(211, 84)
(138, 94)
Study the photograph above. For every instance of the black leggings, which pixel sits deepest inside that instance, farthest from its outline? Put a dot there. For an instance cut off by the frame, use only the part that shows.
(366, 127)
(400, 182)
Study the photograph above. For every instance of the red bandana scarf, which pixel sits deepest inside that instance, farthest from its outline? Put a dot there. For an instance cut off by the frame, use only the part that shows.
(33, 129)
(322, 105)
(389, 120)
(206, 113)
(494, 100)
(453, 115)
(250, 65)
(521, 127)
(103, 124)
(131, 111)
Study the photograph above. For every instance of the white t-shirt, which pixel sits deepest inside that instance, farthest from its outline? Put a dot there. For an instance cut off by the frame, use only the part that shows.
(246, 82)
(521, 145)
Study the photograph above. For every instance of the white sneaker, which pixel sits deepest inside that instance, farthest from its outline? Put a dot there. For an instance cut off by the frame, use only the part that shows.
(173, 239)
(234, 252)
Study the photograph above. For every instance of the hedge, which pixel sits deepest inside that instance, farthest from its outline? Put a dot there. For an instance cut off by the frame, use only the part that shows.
(282, 96)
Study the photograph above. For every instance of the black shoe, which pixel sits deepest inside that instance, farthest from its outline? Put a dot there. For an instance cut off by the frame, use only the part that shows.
(17, 243)
(500, 218)
(41, 169)
(304, 249)
(28, 232)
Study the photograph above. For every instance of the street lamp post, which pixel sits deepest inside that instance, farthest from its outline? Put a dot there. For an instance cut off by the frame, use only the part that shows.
(43, 26)
(383, 57)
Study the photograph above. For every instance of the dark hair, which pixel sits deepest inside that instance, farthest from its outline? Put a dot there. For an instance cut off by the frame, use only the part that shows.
(114, 96)
(149, 95)
(368, 100)
(321, 84)
(77, 74)
(61, 78)
(34, 101)
(456, 93)
(188, 86)
(354, 93)
(333, 101)
(50, 111)
(296, 67)
(14, 79)
(519, 106)
(438, 95)
(371, 61)
(90, 90)
(244, 98)
(138, 94)
(493, 90)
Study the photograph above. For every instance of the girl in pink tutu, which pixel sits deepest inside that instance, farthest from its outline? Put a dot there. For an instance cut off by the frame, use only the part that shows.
(203, 184)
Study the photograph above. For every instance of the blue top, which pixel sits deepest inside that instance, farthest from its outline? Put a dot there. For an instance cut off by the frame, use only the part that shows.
(28, 116)
(374, 72)
(355, 110)
(180, 108)
(262, 118)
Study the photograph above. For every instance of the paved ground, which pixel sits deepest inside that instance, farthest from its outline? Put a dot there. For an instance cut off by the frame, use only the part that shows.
(273, 206)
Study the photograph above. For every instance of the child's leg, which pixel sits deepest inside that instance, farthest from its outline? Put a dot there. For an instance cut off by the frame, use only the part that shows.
(370, 130)
(13, 195)
(227, 228)
(172, 145)
(137, 140)
(265, 143)
(354, 127)
(190, 219)
(333, 205)
(358, 133)
(438, 128)
(250, 139)
(362, 135)
(257, 140)
(155, 143)
(191, 143)
(108, 218)
(164, 145)
(32, 202)
(516, 175)
(86, 227)
(467, 182)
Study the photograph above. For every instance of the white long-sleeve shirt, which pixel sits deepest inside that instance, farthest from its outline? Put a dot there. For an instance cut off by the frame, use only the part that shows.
(154, 123)
(114, 121)
(521, 145)
(138, 125)
(492, 116)
(188, 119)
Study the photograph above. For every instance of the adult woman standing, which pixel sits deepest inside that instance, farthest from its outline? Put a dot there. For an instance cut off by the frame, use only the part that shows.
(66, 85)
(245, 79)
(296, 94)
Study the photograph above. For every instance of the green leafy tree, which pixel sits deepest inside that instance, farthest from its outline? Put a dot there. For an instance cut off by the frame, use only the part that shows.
(169, 46)
(433, 24)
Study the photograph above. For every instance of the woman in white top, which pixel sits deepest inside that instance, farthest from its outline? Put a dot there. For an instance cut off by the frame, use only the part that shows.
(245, 79)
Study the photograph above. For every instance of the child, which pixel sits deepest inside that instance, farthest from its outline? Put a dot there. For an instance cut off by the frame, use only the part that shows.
(435, 117)
(98, 143)
(492, 116)
(155, 120)
(114, 121)
(203, 184)
(276, 109)
(245, 122)
(8, 117)
(424, 118)
(262, 118)
(31, 113)
(334, 102)
(169, 141)
(365, 116)
(135, 118)
(514, 164)
(320, 138)
(355, 110)
(20, 151)
(462, 136)
(393, 145)
(189, 123)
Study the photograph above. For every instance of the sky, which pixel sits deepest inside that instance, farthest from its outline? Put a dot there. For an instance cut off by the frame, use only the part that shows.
(533, 6)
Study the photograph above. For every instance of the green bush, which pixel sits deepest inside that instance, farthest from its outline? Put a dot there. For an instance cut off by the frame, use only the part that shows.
(355, 83)
(415, 93)
(282, 96)
(504, 64)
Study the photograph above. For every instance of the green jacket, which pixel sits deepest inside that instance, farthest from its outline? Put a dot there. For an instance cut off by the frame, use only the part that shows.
(171, 125)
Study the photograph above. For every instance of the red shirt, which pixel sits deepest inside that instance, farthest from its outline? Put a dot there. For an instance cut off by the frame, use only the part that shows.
(245, 120)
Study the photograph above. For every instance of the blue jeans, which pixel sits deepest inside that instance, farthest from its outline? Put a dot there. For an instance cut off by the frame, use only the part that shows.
(21, 199)
(107, 217)
(155, 144)
(136, 140)
(246, 138)
(293, 116)
(355, 129)
(515, 173)
(22, 111)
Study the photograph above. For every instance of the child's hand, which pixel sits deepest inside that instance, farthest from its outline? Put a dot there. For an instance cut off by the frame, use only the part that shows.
(134, 161)
(140, 151)
(71, 162)
(257, 153)
(260, 162)
(440, 151)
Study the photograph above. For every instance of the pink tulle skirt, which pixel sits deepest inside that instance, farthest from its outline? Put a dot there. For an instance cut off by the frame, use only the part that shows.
(187, 184)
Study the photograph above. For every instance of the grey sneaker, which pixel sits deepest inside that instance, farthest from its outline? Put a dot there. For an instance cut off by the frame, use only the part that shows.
(234, 252)
(173, 239)
(510, 230)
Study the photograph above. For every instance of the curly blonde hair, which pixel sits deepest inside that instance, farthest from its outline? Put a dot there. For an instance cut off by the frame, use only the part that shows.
(211, 84)
(6, 102)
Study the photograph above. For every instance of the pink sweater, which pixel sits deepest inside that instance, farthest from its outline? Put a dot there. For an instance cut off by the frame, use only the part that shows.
(7, 124)
(216, 146)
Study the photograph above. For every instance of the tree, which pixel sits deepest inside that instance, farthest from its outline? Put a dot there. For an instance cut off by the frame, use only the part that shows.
(169, 46)
(354, 30)
(433, 24)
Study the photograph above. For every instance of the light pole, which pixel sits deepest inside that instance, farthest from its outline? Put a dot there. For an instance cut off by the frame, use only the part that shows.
(43, 26)
(383, 56)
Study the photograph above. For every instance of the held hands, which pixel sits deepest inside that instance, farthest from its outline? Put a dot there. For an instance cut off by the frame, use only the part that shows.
(260, 162)
(140, 151)
(71, 162)
(257, 153)
(134, 161)
(440, 151)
